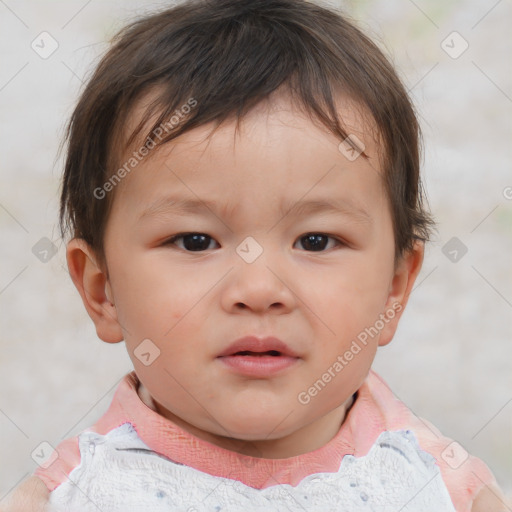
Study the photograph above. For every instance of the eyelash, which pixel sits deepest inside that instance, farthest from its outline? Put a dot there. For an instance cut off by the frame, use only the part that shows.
(171, 241)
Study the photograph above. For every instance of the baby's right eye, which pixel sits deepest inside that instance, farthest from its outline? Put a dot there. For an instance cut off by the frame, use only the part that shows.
(193, 242)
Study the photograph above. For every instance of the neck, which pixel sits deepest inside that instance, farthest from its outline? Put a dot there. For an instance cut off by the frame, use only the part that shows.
(307, 439)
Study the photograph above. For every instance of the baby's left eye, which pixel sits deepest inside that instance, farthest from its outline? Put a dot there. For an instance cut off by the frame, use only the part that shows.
(317, 241)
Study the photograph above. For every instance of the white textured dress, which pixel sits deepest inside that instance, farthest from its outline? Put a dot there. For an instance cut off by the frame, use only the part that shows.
(382, 459)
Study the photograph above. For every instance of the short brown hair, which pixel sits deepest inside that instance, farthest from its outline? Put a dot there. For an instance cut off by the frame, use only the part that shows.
(229, 55)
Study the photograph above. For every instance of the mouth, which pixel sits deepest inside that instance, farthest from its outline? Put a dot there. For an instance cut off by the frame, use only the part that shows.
(274, 353)
(258, 365)
(259, 347)
(258, 358)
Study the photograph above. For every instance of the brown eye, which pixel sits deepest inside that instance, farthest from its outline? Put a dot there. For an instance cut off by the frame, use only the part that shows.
(193, 242)
(317, 242)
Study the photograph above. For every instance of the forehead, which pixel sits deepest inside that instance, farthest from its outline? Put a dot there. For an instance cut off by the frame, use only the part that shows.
(278, 149)
(277, 107)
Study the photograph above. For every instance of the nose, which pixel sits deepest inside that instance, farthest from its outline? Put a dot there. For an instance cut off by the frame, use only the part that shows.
(260, 287)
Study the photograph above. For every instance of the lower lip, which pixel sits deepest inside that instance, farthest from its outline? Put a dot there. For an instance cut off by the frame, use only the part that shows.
(258, 366)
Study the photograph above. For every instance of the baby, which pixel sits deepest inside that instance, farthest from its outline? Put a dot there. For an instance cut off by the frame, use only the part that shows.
(243, 196)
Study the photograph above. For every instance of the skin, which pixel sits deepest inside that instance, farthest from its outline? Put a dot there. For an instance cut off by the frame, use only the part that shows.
(192, 305)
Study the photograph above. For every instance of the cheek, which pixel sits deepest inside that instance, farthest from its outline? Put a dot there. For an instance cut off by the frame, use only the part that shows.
(348, 303)
(143, 294)
(362, 281)
(158, 304)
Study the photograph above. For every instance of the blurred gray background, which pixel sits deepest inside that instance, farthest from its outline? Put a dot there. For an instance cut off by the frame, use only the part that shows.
(451, 359)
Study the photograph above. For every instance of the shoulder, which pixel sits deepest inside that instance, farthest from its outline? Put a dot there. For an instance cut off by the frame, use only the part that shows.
(489, 498)
(67, 456)
(30, 496)
(470, 482)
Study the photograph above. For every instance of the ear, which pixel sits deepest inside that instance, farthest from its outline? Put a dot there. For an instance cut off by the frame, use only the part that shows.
(404, 276)
(94, 287)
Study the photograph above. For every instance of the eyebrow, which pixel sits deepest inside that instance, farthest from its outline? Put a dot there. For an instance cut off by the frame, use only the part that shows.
(187, 206)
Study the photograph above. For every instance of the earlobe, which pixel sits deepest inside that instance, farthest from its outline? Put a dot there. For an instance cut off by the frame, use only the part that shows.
(400, 289)
(95, 289)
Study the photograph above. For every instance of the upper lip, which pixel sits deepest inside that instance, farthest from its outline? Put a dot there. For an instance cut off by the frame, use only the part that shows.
(258, 344)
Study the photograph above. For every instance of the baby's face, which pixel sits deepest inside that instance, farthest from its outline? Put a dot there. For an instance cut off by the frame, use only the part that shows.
(268, 259)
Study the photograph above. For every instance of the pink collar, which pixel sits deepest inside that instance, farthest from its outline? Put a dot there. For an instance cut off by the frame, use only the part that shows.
(168, 439)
